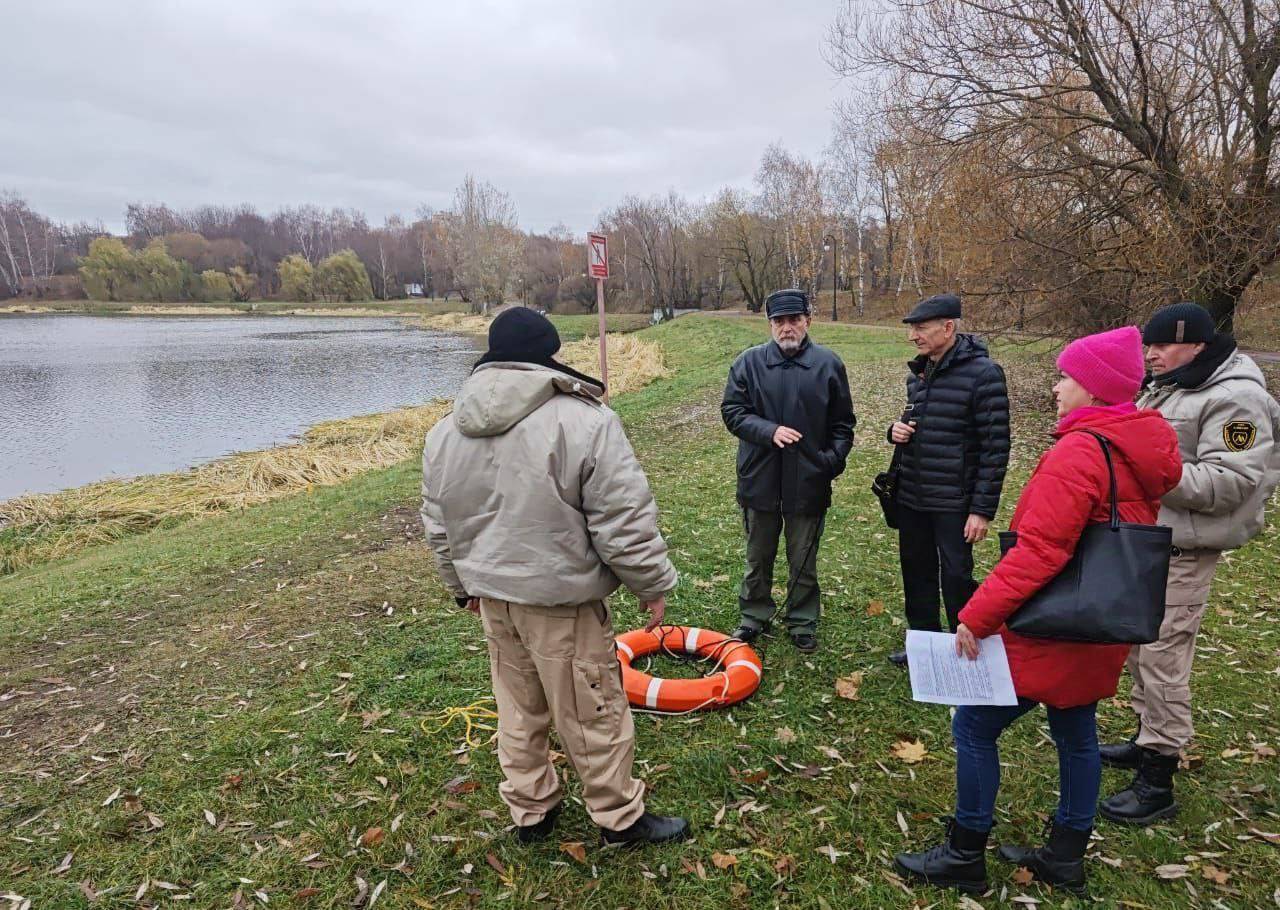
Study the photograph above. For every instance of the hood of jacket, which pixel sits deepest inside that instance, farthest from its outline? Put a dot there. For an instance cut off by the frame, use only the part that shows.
(499, 395)
(1140, 437)
(966, 348)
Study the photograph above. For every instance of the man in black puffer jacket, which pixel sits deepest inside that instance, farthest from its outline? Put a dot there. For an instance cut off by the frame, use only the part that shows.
(954, 436)
(788, 403)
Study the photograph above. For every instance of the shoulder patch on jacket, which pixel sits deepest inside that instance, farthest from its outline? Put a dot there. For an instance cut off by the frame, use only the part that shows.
(1240, 435)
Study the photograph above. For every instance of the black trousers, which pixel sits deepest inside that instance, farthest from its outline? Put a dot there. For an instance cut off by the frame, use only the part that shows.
(934, 556)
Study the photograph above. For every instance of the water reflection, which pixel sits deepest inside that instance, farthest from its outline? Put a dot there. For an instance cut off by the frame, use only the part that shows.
(86, 397)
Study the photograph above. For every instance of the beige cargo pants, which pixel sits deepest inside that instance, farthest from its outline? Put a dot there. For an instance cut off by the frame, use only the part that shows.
(1161, 671)
(558, 665)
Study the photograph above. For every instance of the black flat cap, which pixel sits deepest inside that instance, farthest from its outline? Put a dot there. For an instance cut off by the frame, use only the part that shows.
(939, 306)
(1180, 323)
(788, 302)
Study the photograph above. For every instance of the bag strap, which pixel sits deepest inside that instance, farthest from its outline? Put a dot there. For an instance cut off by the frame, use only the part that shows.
(895, 461)
(1111, 474)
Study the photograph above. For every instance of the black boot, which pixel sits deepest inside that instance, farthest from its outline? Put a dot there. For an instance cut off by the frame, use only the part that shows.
(529, 834)
(958, 862)
(1122, 755)
(747, 634)
(805, 642)
(1150, 796)
(1060, 862)
(648, 829)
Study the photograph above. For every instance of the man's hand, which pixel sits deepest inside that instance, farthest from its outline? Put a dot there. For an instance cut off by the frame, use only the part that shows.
(657, 609)
(473, 604)
(975, 529)
(966, 644)
(785, 436)
(901, 433)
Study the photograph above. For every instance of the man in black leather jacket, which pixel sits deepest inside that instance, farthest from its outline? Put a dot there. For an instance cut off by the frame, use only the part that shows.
(954, 437)
(788, 402)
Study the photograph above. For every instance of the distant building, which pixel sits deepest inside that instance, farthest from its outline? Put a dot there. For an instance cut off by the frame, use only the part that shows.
(414, 290)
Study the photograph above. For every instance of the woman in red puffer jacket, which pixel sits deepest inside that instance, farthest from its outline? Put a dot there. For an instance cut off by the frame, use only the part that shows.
(1068, 490)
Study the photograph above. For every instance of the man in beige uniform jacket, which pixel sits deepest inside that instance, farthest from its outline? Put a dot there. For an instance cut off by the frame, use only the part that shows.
(537, 509)
(1229, 434)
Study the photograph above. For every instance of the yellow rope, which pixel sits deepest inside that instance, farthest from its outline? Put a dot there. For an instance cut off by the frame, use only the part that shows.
(473, 715)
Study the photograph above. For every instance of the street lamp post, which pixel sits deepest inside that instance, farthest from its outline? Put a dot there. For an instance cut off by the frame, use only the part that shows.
(830, 244)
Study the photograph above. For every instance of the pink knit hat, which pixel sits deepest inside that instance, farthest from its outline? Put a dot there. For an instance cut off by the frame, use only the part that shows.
(1108, 365)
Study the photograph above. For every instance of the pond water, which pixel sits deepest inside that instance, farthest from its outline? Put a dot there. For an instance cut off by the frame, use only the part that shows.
(83, 398)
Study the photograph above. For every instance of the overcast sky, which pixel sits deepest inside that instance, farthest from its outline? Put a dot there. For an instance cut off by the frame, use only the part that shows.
(384, 105)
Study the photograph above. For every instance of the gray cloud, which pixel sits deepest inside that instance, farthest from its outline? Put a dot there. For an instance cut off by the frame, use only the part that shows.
(386, 105)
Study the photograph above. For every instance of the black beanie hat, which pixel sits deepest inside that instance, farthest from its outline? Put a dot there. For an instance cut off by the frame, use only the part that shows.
(519, 335)
(1180, 323)
(522, 335)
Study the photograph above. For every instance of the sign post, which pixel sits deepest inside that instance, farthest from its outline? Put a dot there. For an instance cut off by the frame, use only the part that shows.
(598, 268)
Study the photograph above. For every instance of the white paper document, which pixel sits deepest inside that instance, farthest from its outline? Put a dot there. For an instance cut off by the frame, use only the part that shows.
(943, 677)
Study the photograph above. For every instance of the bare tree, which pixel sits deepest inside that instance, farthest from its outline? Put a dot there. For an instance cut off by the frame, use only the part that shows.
(655, 233)
(488, 240)
(1150, 123)
(750, 243)
(29, 246)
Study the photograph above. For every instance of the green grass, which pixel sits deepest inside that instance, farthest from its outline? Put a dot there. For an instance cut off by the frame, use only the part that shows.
(242, 665)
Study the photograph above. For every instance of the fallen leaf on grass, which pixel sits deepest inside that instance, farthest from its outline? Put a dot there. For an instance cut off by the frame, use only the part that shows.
(785, 865)
(372, 837)
(875, 608)
(576, 849)
(831, 853)
(847, 686)
(1171, 871)
(1262, 750)
(909, 751)
(64, 865)
(724, 860)
(210, 818)
(377, 892)
(1022, 876)
(1214, 874)
(1231, 753)
(902, 825)
(460, 785)
(305, 894)
(369, 718)
(784, 735)
(496, 863)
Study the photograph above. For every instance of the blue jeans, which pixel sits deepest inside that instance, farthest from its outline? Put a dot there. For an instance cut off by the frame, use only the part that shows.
(1075, 732)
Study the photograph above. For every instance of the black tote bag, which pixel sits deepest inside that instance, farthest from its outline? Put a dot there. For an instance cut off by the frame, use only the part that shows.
(1111, 591)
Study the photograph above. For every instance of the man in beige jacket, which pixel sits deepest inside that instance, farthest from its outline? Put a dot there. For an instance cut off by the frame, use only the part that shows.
(1229, 434)
(537, 510)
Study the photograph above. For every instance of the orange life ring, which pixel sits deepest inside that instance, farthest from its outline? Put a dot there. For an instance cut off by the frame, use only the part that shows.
(738, 664)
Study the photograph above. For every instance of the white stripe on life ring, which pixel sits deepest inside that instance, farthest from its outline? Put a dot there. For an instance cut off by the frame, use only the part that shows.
(691, 640)
(651, 696)
(631, 655)
(743, 663)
